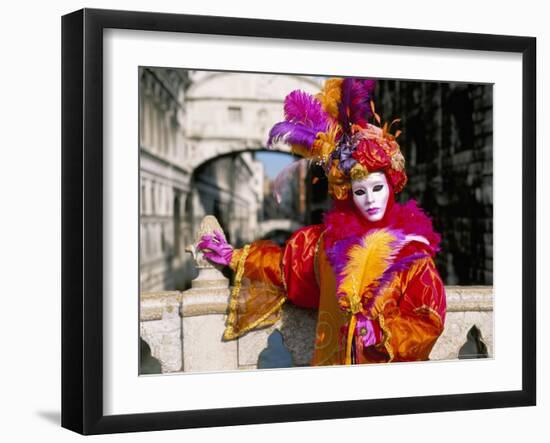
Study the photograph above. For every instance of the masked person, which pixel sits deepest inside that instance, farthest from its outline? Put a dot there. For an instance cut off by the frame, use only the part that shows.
(368, 268)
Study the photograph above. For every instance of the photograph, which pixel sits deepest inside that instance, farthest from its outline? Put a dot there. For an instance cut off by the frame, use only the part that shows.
(294, 221)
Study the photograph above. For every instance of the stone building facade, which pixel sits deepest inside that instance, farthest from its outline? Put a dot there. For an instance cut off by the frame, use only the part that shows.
(164, 176)
(198, 134)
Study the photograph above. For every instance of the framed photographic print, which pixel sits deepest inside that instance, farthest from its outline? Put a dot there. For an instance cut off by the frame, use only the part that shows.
(278, 221)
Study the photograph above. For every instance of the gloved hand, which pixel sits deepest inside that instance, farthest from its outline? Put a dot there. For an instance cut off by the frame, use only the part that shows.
(367, 331)
(216, 249)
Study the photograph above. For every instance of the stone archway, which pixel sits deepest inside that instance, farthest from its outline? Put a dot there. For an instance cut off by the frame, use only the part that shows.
(232, 188)
(233, 112)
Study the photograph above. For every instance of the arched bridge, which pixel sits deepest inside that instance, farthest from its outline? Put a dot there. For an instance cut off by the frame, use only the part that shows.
(230, 113)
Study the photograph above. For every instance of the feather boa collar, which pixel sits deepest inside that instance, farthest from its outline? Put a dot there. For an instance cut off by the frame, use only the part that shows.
(343, 221)
(366, 256)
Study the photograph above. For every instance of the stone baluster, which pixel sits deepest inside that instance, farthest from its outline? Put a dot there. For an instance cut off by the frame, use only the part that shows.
(203, 312)
(160, 328)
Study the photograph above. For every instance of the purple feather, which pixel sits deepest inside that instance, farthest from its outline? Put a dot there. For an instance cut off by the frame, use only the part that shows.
(338, 258)
(355, 103)
(301, 107)
(344, 107)
(304, 119)
(361, 95)
(338, 255)
(292, 133)
(400, 239)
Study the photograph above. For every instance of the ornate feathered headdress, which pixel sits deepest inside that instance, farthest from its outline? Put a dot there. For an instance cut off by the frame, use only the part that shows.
(332, 128)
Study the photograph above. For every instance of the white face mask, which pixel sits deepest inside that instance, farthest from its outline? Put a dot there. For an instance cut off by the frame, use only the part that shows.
(371, 195)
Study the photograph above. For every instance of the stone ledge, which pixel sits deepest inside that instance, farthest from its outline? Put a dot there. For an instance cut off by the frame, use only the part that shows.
(204, 302)
(160, 295)
(469, 298)
(154, 305)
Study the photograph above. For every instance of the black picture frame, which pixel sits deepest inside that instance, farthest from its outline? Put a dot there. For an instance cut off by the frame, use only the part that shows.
(82, 220)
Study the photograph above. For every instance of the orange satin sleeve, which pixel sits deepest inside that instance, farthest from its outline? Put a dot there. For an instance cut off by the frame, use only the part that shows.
(263, 262)
(412, 322)
(267, 275)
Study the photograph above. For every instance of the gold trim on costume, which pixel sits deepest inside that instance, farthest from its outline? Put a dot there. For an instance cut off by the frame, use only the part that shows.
(230, 333)
(283, 279)
(387, 337)
(349, 341)
(261, 322)
(235, 258)
(316, 259)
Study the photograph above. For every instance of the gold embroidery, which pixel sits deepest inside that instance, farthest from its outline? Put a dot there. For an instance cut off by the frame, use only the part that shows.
(324, 331)
(262, 321)
(235, 258)
(387, 337)
(229, 332)
(316, 259)
(283, 279)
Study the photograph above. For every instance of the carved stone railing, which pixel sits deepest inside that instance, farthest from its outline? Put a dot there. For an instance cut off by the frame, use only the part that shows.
(184, 329)
(467, 307)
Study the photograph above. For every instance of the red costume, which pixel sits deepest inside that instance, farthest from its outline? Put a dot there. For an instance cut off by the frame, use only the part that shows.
(405, 316)
(372, 278)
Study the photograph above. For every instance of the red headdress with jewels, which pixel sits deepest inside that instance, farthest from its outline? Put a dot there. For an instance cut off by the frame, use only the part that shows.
(339, 129)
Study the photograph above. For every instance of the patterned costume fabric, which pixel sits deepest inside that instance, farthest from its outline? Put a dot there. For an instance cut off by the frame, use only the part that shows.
(399, 310)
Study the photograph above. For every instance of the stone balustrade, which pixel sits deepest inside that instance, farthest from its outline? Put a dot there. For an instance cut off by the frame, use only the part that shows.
(184, 329)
